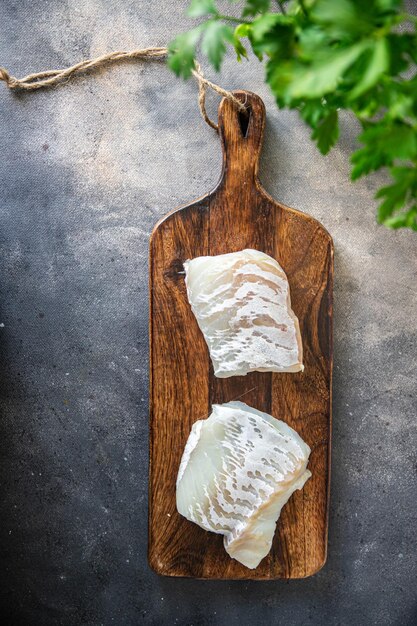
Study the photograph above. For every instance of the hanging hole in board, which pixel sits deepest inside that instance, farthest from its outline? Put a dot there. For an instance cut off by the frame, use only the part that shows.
(244, 119)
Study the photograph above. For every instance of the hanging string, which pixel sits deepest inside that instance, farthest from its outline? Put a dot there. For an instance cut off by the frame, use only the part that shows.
(50, 78)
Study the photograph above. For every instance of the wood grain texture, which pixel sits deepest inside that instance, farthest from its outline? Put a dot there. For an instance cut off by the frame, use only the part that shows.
(238, 214)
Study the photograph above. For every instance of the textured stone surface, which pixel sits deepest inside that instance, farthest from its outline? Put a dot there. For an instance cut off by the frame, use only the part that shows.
(86, 170)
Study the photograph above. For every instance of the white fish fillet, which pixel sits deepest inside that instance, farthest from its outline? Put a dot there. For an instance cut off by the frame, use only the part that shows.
(242, 304)
(239, 467)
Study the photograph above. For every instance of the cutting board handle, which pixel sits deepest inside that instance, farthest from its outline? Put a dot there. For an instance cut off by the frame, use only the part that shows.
(241, 136)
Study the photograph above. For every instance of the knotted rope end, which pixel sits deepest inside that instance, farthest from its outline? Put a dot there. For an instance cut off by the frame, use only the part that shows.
(10, 81)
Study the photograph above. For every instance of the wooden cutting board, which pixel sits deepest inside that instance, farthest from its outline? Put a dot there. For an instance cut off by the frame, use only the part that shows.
(238, 214)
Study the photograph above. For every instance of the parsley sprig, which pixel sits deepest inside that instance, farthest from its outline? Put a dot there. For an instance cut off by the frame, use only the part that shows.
(322, 56)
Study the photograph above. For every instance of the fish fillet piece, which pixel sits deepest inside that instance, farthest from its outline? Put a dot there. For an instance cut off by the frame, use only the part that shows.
(242, 305)
(239, 467)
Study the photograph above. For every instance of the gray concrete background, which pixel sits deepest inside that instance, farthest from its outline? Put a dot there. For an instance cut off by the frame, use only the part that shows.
(86, 170)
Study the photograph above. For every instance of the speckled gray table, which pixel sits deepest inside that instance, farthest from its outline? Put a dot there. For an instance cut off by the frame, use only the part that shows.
(85, 171)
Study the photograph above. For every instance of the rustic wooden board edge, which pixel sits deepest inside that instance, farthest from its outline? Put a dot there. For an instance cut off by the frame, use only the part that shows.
(330, 422)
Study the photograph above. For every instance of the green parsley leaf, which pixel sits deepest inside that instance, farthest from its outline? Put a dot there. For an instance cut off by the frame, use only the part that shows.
(252, 7)
(181, 52)
(312, 112)
(214, 42)
(199, 8)
(273, 34)
(384, 143)
(326, 132)
(324, 76)
(406, 219)
(243, 30)
(396, 195)
(376, 66)
(322, 56)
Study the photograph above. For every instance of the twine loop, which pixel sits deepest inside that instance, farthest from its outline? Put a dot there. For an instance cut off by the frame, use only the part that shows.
(49, 78)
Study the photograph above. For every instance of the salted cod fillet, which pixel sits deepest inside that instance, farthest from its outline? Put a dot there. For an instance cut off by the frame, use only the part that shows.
(239, 467)
(241, 301)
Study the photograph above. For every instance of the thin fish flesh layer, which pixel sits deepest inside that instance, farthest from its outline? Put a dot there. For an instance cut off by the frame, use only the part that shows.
(239, 467)
(242, 305)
